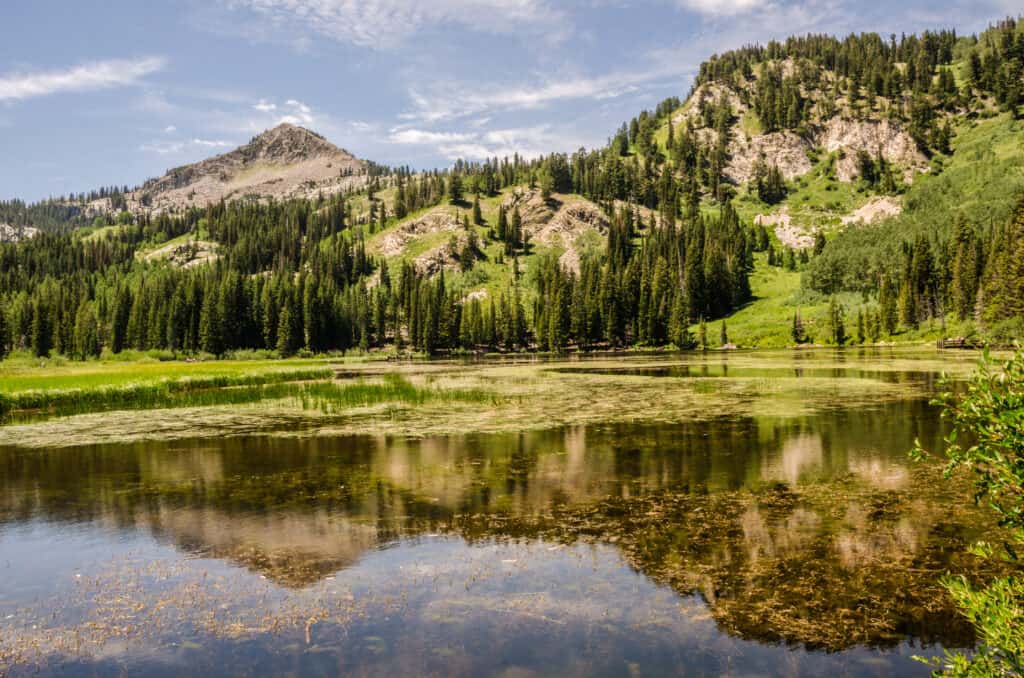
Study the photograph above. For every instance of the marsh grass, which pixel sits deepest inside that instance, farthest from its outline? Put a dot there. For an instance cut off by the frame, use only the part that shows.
(333, 397)
(145, 395)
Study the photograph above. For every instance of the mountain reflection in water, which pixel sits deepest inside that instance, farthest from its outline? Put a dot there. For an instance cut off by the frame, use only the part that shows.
(815, 533)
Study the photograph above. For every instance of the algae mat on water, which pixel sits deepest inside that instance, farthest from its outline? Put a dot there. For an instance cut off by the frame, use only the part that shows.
(440, 398)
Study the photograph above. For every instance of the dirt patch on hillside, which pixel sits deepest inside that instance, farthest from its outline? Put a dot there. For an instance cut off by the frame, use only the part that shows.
(787, 150)
(788, 233)
(440, 220)
(446, 257)
(875, 210)
(851, 136)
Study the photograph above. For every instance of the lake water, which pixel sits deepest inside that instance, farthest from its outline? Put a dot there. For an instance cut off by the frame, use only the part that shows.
(748, 546)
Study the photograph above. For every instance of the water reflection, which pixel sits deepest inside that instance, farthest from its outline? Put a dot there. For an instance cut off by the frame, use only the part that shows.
(652, 546)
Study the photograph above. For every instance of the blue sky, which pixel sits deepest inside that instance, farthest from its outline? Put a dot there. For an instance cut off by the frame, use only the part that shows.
(113, 92)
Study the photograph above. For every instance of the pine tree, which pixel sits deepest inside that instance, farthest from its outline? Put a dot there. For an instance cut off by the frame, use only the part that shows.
(724, 335)
(86, 339)
(702, 335)
(5, 332)
(1004, 277)
(887, 307)
(478, 217)
(211, 331)
(861, 332)
(455, 189)
(797, 332)
(836, 322)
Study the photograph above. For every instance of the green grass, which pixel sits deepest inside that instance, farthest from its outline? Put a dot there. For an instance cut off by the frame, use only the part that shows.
(308, 390)
(27, 374)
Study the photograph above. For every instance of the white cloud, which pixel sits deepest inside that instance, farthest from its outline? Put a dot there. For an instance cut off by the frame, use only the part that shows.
(423, 137)
(180, 146)
(265, 106)
(387, 23)
(526, 141)
(170, 129)
(458, 100)
(83, 78)
(724, 7)
(298, 114)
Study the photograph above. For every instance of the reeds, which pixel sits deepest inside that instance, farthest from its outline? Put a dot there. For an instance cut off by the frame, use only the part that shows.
(310, 388)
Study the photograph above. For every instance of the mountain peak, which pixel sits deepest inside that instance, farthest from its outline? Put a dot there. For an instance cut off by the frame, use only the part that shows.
(282, 162)
(288, 143)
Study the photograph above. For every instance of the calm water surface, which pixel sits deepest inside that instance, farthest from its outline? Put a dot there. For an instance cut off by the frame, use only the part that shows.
(769, 546)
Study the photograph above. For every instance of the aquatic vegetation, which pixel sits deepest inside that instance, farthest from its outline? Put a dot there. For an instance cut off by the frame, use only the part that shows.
(444, 398)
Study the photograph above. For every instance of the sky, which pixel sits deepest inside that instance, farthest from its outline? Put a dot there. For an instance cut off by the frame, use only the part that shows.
(112, 92)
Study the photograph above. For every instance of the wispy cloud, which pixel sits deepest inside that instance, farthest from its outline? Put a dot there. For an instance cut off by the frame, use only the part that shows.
(389, 23)
(724, 7)
(161, 147)
(528, 142)
(87, 77)
(459, 100)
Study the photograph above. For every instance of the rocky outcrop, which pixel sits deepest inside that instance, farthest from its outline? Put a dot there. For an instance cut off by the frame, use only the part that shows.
(559, 222)
(439, 220)
(851, 136)
(9, 233)
(787, 150)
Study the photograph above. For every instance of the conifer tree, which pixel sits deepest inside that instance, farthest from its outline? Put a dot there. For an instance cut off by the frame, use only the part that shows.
(478, 217)
(797, 331)
(5, 332)
(836, 322)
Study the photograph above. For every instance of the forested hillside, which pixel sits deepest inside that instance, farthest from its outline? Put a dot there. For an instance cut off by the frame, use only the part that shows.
(821, 190)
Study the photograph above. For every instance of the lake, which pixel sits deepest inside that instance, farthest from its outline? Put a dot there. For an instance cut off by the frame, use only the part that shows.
(743, 537)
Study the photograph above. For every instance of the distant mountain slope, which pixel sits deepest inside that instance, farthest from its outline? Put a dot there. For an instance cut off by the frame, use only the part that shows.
(284, 162)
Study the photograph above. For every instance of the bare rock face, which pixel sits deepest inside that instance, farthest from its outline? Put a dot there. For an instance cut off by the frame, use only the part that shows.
(787, 150)
(284, 162)
(9, 233)
(852, 136)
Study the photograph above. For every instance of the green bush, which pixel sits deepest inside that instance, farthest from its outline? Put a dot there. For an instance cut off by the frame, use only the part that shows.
(987, 437)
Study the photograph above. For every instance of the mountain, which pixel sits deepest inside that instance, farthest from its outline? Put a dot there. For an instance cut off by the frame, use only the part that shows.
(822, 190)
(284, 162)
